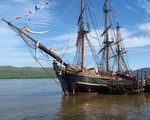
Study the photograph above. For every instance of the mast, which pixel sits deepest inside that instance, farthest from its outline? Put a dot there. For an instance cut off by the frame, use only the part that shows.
(106, 36)
(118, 46)
(120, 50)
(82, 33)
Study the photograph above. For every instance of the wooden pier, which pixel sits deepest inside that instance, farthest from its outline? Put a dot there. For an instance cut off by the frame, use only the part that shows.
(137, 86)
(147, 86)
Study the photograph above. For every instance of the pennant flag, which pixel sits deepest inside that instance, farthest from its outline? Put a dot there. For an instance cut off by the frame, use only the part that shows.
(19, 17)
(31, 11)
(37, 8)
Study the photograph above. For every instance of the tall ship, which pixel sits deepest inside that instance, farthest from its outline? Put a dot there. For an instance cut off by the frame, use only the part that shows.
(111, 73)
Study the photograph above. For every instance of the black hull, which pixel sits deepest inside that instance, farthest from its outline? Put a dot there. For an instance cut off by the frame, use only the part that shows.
(73, 84)
(76, 83)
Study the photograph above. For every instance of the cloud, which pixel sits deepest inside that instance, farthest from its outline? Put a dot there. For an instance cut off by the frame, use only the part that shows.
(140, 49)
(145, 4)
(139, 35)
(137, 41)
(65, 37)
(18, 61)
(130, 8)
(19, 1)
(145, 27)
(12, 51)
(132, 38)
(8, 37)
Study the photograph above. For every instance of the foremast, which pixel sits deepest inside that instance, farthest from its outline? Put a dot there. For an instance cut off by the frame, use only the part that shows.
(81, 37)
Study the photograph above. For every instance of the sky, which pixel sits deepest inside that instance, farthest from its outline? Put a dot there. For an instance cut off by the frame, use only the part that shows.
(58, 17)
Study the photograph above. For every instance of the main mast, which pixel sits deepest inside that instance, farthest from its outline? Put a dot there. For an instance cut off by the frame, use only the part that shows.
(106, 37)
(81, 32)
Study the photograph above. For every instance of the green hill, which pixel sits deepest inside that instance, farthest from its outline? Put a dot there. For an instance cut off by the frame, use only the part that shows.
(9, 72)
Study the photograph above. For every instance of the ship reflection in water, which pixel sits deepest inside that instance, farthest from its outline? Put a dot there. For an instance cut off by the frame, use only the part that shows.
(42, 99)
(105, 107)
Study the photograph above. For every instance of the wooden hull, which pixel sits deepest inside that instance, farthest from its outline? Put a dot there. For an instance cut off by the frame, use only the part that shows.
(80, 83)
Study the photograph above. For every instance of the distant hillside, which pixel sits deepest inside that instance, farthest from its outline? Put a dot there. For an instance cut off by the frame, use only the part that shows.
(9, 72)
(143, 72)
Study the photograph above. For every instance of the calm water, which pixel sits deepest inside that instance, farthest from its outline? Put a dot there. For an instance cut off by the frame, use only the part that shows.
(43, 100)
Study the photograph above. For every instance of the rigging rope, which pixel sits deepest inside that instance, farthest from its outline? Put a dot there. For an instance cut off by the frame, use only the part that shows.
(29, 47)
(98, 35)
(52, 27)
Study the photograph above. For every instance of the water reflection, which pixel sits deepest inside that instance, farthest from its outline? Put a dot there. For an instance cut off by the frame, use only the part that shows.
(105, 107)
(42, 100)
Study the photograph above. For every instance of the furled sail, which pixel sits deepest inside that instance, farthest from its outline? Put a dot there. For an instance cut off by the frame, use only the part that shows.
(27, 30)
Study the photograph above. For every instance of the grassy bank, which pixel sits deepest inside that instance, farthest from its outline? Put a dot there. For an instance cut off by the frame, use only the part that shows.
(9, 72)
